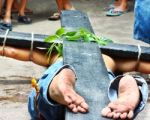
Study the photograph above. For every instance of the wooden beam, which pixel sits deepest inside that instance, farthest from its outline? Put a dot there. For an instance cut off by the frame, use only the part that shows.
(75, 19)
(23, 40)
(92, 78)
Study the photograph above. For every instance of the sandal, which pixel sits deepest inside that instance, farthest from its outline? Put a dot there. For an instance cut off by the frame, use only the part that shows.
(5, 26)
(113, 12)
(55, 16)
(24, 19)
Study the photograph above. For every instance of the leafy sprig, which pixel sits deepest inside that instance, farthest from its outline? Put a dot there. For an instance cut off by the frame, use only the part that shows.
(80, 34)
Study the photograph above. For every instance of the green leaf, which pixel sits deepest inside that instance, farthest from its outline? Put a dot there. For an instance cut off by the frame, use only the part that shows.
(51, 38)
(60, 32)
(49, 52)
(87, 38)
(59, 48)
(103, 42)
(72, 33)
(73, 38)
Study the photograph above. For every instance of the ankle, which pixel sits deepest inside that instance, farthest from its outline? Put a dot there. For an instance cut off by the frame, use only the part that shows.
(68, 7)
(7, 20)
(21, 13)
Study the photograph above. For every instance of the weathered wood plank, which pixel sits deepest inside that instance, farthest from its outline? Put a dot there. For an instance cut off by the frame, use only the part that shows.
(23, 40)
(126, 51)
(75, 19)
(92, 78)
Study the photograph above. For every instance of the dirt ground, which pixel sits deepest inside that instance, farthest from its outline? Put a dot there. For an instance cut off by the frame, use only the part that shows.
(15, 75)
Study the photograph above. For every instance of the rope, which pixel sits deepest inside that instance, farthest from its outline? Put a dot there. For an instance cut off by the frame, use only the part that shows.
(4, 42)
(138, 57)
(31, 48)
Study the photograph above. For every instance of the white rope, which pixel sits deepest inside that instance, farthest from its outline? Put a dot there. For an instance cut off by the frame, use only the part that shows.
(138, 57)
(139, 52)
(4, 42)
(31, 48)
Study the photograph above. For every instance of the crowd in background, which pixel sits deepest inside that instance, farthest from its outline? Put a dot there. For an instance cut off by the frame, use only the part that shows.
(7, 7)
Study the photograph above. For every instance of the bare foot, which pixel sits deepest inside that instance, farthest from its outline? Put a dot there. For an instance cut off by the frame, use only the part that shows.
(62, 91)
(128, 99)
(123, 7)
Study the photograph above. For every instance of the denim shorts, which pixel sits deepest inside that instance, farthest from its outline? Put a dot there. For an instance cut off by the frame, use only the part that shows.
(142, 20)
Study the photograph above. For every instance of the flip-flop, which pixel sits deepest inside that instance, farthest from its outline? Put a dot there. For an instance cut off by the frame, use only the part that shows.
(55, 16)
(113, 13)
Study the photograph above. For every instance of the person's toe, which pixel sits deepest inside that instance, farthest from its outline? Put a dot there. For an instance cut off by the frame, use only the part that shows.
(81, 109)
(116, 115)
(105, 111)
(130, 114)
(110, 114)
(84, 105)
(71, 106)
(75, 110)
(123, 115)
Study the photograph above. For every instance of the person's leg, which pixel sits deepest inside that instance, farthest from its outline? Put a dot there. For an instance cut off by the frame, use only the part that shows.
(127, 101)
(21, 15)
(59, 5)
(7, 17)
(38, 56)
(62, 5)
(117, 2)
(22, 7)
(67, 5)
(56, 16)
(15, 8)
(6, 24)
(0, 7)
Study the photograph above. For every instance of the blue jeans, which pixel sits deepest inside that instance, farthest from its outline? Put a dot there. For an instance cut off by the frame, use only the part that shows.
(51, 110)
(142, 20)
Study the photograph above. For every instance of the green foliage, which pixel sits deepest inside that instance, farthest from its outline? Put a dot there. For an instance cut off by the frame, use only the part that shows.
(72, 35)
